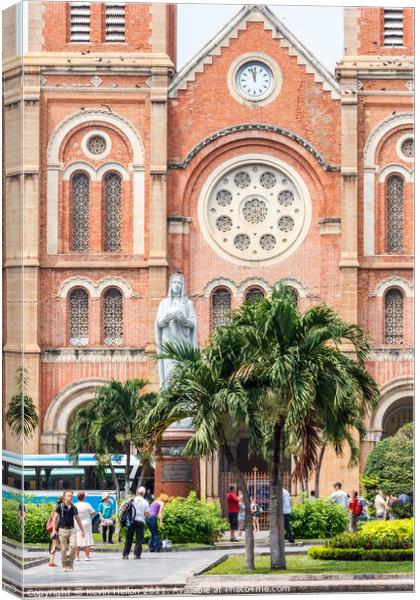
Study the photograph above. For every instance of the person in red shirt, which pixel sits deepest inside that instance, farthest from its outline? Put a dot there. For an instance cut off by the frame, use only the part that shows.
(355, 510)
(232, 501)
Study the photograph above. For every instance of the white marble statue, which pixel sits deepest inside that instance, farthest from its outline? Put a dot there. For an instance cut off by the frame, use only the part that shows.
(175, 321)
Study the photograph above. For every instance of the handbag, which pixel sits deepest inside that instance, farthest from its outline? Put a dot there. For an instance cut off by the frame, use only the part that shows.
(107, 522)
(49, 525)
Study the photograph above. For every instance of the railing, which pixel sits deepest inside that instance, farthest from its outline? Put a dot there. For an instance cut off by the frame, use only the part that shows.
(258, 484)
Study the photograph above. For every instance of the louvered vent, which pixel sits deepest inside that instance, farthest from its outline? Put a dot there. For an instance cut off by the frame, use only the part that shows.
(393, 26)
(80, 22)
(115, 22)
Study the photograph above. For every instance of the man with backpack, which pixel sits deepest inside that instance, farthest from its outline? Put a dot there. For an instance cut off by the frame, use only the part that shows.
(355, 510)
(63, 522)
(132, 515)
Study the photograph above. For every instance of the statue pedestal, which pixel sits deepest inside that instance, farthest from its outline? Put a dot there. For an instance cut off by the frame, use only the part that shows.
(175, 474)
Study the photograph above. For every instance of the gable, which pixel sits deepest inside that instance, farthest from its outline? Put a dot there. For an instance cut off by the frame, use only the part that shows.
(231, 31)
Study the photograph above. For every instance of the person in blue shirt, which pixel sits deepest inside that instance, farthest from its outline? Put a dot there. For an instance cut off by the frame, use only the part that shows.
(287, 511)
(105, 510)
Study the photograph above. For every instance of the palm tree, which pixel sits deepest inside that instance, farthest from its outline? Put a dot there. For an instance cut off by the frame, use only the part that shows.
(119, 411)
(201, 389)
(22, 415)
(86, 432)
(295, 358)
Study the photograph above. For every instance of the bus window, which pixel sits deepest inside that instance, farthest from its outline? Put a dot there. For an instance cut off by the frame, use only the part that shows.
(14, 476)
(62, 478)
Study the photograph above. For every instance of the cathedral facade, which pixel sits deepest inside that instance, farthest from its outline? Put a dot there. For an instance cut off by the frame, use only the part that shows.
(250, 165)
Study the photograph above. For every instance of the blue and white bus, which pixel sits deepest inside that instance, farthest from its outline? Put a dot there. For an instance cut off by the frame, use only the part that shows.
(42, 478)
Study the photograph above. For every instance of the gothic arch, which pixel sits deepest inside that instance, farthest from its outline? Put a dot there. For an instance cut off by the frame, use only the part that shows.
(55, 168)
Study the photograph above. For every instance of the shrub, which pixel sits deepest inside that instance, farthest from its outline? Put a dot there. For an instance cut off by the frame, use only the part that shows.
(36, 517)
(10, 520)
(388, 555)
(313, 519)
(390, 467)
(192, 520)
(380, 535)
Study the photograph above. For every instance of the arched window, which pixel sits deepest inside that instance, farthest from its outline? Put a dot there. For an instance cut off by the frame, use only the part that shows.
(113, 317)
(221, 303)
(394, 317)
(80, 212)
(294, 294)
(394, 213)
(79, 318)
(112, 206)
(254, 293)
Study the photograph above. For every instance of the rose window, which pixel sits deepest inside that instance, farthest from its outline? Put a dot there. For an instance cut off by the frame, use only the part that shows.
(96, 144)
(407, 148)
(254, 211)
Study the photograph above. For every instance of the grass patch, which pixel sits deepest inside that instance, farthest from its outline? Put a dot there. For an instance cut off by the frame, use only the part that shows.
(235, 565)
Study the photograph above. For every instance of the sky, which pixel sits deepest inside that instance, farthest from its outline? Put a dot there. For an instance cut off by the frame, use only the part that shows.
(319, 28)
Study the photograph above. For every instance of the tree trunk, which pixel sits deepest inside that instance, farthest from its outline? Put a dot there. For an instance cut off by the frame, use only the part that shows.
(249, 528)
(116, 482)
(277, 546)
(146, 468)
(318, 468)
(127, 468)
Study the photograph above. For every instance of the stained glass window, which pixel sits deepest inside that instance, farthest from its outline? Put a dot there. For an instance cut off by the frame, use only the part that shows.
(112, 234)
(254, 293)
(394, 213)
(113, 317)
(79, 318)
(394, 317)
(80, 212)
(221, 302)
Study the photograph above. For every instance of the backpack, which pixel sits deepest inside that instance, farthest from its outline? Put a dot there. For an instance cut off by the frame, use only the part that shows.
(358, 509)
(127, 513)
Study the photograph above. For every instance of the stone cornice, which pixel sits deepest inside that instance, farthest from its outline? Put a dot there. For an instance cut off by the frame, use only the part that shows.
(391, 355)
(255, 127)
(92, 355)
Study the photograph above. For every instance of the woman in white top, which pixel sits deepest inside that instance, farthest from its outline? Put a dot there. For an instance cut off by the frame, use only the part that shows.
(85, 511)
(380, 505)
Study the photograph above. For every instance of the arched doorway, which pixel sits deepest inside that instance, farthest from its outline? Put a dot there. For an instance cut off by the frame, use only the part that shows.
(397, 415)
(395, 409)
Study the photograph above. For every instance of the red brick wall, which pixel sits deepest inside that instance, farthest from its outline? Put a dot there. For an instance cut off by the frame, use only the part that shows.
(56, 29)
(371, 33)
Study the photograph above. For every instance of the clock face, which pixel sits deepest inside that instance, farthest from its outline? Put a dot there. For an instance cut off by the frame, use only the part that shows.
(254, 79)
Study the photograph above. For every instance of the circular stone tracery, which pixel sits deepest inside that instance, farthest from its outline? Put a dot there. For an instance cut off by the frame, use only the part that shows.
(255, 210)
(96, 144)
(261, 224)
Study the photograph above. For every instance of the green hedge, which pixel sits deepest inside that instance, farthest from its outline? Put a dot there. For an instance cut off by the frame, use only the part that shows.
(390, 467)
(314, 519)
(36, 517)
(377, 535)
(193, 520)
(388, 555)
